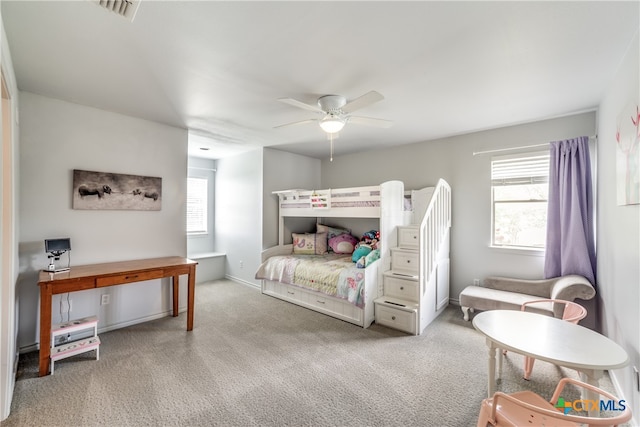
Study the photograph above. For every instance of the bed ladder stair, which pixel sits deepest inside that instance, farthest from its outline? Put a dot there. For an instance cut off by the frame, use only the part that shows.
(416, 287)
(399, 306)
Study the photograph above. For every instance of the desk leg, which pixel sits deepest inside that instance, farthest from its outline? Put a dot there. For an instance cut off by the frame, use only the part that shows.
(45, 329)
(191, 297)
(176, 287)
(491, 386)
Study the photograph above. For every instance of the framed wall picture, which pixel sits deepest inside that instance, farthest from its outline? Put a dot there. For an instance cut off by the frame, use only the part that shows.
(115, 191)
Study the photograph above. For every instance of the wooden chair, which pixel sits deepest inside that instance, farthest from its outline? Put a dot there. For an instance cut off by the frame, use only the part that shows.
(573, 313)
(526, 408)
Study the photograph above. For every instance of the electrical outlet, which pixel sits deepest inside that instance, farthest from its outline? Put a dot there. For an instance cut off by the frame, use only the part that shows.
(106, 299)
(476, 282)
(241, 264)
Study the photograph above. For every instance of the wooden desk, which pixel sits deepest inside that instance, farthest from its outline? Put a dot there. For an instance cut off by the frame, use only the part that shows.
(109, 274)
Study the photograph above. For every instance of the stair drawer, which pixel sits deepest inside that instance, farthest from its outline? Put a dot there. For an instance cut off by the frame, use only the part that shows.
(404, 289)
(405, 262)
(408, 237)
(396, 319)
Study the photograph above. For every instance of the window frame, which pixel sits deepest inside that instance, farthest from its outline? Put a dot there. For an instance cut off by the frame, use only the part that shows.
(205, 215)
(514, 175)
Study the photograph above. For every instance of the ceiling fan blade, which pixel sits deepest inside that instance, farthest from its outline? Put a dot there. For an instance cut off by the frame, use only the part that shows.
(370, 121)
(296, 123)
(301, 104)
(362, 101)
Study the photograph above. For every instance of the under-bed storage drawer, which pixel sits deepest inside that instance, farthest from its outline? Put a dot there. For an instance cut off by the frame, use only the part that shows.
(326, 304)
(408, 237)
(321, 302)
(285, 291)
(396, 318)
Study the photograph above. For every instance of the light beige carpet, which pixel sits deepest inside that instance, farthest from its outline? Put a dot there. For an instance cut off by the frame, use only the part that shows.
(253, 360)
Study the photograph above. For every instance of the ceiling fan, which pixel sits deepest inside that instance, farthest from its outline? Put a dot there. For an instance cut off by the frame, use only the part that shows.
(334, 112)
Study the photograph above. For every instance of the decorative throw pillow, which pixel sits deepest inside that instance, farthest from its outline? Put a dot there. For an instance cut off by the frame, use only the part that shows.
(309, 243)
(331, 231)
(343, 243)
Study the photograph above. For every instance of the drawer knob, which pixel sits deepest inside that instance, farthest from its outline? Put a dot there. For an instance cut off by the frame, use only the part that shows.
(321, 302)
(131, 277)
(402, 288)
(393, 317)
(408, 261)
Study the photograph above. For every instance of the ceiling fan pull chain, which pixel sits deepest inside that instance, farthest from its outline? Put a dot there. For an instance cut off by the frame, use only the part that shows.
(331, 143)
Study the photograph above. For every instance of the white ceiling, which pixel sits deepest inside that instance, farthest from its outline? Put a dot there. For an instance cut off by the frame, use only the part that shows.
(217, 68)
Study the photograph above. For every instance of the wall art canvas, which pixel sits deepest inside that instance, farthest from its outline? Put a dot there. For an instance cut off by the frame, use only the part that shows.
(628, 155)
(115, 191)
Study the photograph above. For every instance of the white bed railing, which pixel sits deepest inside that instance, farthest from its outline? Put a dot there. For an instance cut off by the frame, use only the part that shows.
(363, 202)
(434, 228)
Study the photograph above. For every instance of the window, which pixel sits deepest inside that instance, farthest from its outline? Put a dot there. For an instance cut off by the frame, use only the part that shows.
(197, 213)
(519, 193)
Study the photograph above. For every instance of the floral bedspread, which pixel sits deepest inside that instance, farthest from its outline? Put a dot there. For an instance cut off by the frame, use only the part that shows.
(334, 275)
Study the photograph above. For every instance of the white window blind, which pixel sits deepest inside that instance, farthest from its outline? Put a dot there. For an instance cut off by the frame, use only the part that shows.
(530, 168)
(197, 201)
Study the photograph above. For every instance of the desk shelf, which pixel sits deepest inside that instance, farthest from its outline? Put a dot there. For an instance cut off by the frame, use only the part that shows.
(72, 348)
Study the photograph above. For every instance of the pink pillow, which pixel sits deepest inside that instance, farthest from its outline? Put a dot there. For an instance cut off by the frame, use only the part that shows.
(343, 243)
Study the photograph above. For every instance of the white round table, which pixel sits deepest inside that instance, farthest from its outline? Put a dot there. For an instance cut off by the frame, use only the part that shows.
(547, 338)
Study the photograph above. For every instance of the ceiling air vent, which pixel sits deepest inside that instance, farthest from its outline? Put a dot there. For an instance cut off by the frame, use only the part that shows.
(124, 8)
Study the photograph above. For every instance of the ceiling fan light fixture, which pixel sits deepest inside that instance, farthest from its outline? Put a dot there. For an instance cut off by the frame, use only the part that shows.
(332, 123)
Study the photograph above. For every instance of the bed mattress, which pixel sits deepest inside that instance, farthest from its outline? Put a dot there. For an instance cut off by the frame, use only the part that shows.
(334, 275)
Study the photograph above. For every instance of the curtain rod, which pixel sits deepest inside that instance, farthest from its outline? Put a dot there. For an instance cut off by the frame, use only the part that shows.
(475, 153)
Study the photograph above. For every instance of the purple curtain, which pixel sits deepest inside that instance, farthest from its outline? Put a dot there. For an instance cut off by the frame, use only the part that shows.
(570, 245)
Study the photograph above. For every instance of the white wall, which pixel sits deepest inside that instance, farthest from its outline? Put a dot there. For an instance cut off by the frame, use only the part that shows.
(247, 211)
(57, 137)
(284, 171)
(9, 223)
(420, 165)
(238, 199)
(618, 233)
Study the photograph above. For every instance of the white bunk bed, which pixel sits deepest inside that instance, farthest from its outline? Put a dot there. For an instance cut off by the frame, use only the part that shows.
(385, 201)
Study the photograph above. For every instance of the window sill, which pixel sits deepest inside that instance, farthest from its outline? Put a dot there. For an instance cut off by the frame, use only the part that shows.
(518, 251)
(203, 234)
(205, 255)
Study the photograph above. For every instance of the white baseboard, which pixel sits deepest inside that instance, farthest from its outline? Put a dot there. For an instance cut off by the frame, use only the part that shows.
(621, 396)
(169, 312)
(160, 315)
(242, 281)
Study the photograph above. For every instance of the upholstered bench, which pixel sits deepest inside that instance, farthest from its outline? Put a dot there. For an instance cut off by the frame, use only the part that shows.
(509, 294)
